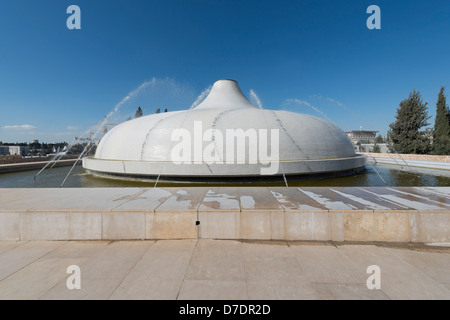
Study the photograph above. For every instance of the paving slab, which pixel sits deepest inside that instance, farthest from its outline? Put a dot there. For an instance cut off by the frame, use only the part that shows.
(298, 290)
(227, 198)
(78, 249)
(115, 260)
(326, 264)
(6, 193)
(373, 194)
(408, 201)
(348, 291)
(438, 191)
(271, 264)
(183, 199)
(91, 289)
(258, 199)
(217, 260)
(264, 250)
(36, 279)
(294, 199)
(21, 199)
(55, 199)
(329, 199)
(159, 273)
(8, 245)
(17, 258)
(218, 198)
(213, 290)
(438, 195)
(82, 199)
(399, 279)
(435, 264)
(363, 200)
(144, 199)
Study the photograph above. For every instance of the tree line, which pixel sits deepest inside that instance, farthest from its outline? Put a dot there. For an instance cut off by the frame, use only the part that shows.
(407, 133)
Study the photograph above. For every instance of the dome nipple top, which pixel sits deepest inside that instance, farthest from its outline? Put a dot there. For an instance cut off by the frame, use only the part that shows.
(225, 94)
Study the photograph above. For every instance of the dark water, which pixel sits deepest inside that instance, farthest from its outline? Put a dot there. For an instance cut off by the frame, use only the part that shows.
(392, 176)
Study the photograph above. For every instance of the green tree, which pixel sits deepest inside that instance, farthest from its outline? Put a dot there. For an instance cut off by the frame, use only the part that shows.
(405, 132)
(376, 148)
(441, 134)
(379, 139)
(138, 113)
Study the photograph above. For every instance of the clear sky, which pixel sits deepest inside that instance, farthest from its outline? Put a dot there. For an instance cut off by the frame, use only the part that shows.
(55, 82)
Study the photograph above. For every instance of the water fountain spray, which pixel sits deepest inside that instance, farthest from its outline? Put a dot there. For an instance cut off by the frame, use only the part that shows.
(102, 124)
(305, 103)
(255, 98)
(201, 97)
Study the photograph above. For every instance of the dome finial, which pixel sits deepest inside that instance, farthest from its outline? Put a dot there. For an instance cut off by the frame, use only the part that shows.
(225, 94)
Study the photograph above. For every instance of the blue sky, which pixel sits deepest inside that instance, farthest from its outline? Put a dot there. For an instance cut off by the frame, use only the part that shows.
(55, 83)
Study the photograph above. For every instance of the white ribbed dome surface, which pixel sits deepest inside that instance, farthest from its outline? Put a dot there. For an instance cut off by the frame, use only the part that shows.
(143, 146)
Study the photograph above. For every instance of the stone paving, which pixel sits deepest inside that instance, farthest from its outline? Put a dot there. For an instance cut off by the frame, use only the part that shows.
(222, 269)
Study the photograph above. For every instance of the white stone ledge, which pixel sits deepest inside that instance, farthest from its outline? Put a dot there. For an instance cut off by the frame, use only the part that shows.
(276, 224)
(261, 213)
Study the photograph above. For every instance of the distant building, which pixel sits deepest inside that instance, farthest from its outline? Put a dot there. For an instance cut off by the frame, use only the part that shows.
(18, 150)
(361, 136)
(4, 150)
(368, 147)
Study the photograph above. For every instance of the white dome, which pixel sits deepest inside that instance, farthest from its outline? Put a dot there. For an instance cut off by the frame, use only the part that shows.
(144, 146)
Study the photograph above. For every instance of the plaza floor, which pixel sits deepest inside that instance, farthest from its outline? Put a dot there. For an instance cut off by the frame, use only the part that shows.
(206, 269)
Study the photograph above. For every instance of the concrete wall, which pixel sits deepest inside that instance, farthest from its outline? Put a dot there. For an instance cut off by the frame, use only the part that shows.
(424, 157)
(227, 213)
(386, 226)
(25, 166)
